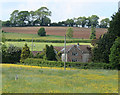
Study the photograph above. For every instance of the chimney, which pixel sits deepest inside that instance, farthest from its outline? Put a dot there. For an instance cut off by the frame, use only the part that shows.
(78, 44)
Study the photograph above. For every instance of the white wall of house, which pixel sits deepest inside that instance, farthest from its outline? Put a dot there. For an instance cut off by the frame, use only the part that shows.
(63, 57)
(85, 58)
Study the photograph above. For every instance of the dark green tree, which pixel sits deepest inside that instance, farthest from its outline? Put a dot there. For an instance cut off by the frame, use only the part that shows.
(25, 53)
(41, 32)
(104, 23)
(114, 56)
(50, 53)
(10, 54)
(102, 50)
(81, 21)
(70, 22)
(23, 18)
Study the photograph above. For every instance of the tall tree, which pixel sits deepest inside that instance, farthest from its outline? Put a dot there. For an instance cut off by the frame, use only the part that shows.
(104, 23)
(14, 18)
(42, 13)
(94, 20)
(23, 17)
(31, 18)
(81, 21)
(102, 50)
(88, 22)
(70, 22)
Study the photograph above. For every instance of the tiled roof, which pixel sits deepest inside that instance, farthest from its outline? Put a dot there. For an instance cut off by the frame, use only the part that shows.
(83, 48)
(35, 52)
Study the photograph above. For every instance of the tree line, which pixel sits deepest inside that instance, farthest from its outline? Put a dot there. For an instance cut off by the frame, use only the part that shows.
(40, 17)
(32, 18)
(84, 22)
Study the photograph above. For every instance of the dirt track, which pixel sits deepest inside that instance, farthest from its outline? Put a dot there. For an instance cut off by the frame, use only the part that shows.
(78, 32)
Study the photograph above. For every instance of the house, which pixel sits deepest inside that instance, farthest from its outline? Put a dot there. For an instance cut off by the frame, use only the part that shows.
(36, 52)
(75, 53)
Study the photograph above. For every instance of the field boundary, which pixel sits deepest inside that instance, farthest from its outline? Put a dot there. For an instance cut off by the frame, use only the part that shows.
(52, 40)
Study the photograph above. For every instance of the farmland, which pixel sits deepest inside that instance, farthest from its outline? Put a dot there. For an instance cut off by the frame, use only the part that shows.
(33, 79)
(81, 33)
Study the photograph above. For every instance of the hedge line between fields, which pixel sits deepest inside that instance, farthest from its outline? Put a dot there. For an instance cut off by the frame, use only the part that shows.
(78, 65)
(52, 40)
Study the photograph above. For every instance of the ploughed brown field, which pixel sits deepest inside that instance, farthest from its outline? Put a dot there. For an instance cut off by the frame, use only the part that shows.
(78, 32)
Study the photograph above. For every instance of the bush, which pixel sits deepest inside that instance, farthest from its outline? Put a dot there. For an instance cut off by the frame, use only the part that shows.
(41, 32)
(25, 53)
(46, 63)
(11, 54)
(69, 33)
(114, 56)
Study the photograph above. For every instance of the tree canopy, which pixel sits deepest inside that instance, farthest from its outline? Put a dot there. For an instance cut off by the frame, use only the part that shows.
(102, 50)
(25, 18)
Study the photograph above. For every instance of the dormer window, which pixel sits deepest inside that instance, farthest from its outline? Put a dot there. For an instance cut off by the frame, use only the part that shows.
(74, 53)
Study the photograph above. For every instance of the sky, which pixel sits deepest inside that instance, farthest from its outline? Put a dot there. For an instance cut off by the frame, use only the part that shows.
(61, 9)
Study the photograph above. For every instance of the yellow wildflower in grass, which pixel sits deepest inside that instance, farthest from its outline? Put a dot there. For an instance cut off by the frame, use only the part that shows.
(37, 67)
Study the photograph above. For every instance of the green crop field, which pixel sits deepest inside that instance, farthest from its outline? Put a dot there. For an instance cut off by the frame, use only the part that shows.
(53, 80)
(12, 35)
(38, 46)
(49, 38)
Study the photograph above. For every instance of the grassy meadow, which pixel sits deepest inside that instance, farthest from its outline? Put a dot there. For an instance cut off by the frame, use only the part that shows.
(38, 46)
(33, 79)
(12, 35)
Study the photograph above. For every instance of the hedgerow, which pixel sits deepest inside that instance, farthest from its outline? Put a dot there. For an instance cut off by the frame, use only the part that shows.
(52, 40)
(46, 63)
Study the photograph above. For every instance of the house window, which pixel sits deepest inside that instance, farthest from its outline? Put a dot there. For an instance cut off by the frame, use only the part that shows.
(74, 53)
(74, 60)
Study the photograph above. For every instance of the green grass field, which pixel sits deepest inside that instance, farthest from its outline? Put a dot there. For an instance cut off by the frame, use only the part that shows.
(12, 35)
(41, 80)
(39, 45)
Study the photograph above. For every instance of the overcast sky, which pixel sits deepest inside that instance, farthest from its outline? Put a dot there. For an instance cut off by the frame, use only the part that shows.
(61, 9)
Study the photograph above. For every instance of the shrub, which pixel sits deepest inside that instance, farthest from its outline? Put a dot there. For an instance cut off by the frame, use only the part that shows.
(11, 54)
(69, 33)
(46, 63)
(41, 32)
(25, 53)
(114, 56)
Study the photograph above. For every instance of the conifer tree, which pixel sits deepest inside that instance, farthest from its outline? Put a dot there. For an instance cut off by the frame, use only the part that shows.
(114, 56)
(25, 53)
(102, 50)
